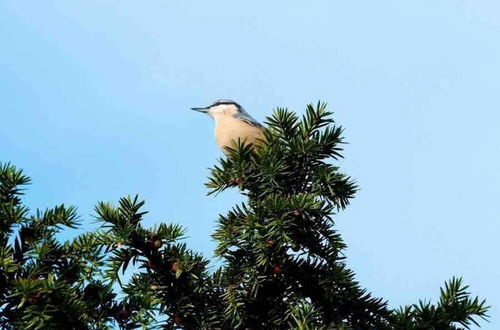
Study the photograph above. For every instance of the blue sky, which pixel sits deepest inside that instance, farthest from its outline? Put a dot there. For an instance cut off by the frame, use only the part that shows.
(95, 98)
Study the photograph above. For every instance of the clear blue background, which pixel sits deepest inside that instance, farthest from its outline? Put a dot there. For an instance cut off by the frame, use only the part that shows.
(95, 98)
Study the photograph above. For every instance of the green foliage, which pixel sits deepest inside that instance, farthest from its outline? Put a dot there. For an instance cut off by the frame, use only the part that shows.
(455, 308)
(45, 284)
(172, 279)
(280, 249)
(281, 260)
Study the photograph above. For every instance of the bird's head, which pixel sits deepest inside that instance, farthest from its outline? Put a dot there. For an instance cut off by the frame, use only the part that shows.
(221, 107)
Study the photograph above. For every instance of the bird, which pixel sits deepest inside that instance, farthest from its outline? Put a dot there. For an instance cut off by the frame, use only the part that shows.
(232, 122)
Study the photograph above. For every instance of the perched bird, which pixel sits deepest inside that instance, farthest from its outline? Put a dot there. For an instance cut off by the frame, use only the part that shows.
(232, 122)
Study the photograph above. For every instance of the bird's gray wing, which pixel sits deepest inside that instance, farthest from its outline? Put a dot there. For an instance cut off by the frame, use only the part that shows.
(243, 115)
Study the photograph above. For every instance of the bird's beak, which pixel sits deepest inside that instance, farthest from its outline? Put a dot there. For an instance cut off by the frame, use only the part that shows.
(202, 110)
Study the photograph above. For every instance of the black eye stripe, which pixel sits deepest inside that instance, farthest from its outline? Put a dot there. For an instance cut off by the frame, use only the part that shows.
(220, 103)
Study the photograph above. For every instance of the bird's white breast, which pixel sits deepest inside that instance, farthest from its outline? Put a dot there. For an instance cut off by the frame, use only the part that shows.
(228, 128)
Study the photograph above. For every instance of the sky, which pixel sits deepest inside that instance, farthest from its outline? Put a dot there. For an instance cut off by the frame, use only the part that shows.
(95, 99)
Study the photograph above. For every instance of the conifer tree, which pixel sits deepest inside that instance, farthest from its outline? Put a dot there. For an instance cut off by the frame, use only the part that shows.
(282, 262)
(284, 265)
(45, 283)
